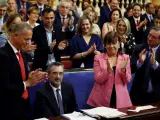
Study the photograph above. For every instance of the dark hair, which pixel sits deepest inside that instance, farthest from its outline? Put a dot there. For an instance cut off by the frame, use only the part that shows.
(54, 64)
(47, 10)
(137, 4)
(79, 25)
(115, 9)
(147, 5)
(112, 38)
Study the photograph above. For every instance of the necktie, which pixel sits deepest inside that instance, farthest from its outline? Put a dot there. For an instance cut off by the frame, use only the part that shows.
(63, 18)
(60, 102)
(147, 72)
(150, 17)
(137, 22)
(40, 11)
(23, 73)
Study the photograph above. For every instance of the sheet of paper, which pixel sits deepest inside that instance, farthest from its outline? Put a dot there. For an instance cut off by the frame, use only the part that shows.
(139, 108)
(41, 119)
(104, 112)
(77, 116)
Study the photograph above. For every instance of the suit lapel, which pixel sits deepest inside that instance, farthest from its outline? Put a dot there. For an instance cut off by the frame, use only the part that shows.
(51, 98)
(157, 54)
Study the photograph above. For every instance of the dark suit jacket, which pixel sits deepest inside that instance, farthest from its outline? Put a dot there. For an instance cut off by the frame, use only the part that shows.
(139, 34)
(46, 104)
(67, 35)
(137, 90)
(41, 53)
(149, 24)
(104, 15)
(13, 106)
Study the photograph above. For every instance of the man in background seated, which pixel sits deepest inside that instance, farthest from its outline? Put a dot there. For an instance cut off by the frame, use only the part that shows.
(55, 97)
(145, 62)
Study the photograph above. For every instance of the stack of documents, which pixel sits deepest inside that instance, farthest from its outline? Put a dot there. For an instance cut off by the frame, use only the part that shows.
(77, 116)
(139, 108)
(104, 112)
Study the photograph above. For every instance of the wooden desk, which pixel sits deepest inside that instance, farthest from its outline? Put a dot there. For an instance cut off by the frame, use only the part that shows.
(152, 114)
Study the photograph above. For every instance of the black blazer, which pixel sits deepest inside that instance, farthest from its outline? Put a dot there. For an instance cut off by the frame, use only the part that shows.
(137, 89)
(12, 104)
(104, 15)
(46, 104)
(67, 35)
(41, 53)
(138, 34)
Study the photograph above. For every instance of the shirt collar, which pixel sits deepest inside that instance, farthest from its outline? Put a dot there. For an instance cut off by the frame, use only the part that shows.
(14, 49)
(135, 19)
(63, 16)
(40, 6)
(54, 88)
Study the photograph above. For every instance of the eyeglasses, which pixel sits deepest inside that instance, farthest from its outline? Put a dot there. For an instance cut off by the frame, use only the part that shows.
(152, 36)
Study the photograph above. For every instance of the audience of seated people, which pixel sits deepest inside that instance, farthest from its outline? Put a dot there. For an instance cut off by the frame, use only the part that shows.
(134, 36)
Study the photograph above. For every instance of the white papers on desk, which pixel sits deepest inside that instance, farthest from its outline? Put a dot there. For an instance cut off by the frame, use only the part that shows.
(77, 116)
(142, 108)
(41, 119)
(104, 112)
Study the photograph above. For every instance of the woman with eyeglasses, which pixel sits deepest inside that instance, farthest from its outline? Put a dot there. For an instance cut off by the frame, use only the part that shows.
(112, 73)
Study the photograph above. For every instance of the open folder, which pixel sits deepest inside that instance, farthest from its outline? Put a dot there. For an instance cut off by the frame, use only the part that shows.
(77, 116)
(104, 112)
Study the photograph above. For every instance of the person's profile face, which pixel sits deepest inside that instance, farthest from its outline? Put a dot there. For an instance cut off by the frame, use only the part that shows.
(22, 39)
(33, 15)
(55, 75)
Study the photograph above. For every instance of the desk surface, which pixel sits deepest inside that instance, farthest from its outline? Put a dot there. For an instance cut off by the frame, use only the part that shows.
(152, 114)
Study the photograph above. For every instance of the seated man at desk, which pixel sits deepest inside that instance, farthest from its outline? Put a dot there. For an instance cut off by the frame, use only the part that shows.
(55, 97)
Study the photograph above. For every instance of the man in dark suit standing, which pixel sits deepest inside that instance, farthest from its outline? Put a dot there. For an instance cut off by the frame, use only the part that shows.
(149, 16)
(105, 11)
(15, 81)
(44, 36)
(55, 97)
(138, 23)
(65, 26)
(145, 63)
